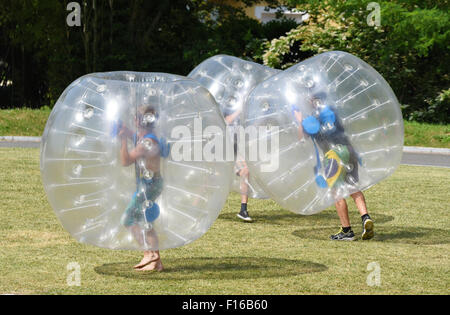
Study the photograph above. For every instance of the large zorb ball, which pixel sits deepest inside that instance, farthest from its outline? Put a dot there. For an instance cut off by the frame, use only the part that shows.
(119, 165)
(339, 128)
(230, 80)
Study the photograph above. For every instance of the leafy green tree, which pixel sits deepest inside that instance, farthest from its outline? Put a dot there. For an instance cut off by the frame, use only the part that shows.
(410, 48)
(41, 54)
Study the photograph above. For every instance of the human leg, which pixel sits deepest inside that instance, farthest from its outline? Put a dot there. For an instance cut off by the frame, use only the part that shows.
(367, 222)
(244, 173)
(360, 202)
(135, 217)
(345, 233)
(342, 211)
(153, 266)
(150, 256)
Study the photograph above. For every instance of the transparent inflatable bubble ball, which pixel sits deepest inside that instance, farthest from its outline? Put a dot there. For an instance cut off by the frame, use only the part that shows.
(120, 162)
(230, 80)
(338, 128)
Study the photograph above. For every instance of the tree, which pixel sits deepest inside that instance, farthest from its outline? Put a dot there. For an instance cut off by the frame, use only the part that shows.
(41, 54)
(409, 48)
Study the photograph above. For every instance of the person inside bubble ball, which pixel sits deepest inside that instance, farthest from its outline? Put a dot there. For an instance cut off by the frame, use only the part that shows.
(142, 209)
(241, 168)
(340, 165)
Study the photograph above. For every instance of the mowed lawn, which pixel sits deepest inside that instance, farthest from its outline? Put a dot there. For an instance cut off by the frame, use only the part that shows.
(280, 253)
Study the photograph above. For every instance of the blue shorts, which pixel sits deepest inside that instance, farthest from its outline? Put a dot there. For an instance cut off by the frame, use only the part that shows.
(134, 213)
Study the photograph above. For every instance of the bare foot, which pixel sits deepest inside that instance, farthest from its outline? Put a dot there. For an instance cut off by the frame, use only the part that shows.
(148, 258)
(153, 266)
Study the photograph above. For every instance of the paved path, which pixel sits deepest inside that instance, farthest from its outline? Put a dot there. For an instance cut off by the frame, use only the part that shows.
(411, 155)
(426, 159)
(19, 144)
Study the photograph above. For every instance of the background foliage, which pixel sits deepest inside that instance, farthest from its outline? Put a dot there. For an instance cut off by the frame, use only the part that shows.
(40, 55)
(410, 48)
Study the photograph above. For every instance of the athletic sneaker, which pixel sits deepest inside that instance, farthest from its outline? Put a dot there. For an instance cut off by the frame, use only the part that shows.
(244, 216)
(368, 232)
(342, 236)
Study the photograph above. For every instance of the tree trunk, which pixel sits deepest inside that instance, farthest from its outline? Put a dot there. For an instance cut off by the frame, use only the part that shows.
(111, 16)
(86, 35)
(24, 77)
(94, 30)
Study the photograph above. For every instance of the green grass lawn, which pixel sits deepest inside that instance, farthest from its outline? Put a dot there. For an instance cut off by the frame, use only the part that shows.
(427, 135)
(23, 122)
(28, 122)
(280, 253)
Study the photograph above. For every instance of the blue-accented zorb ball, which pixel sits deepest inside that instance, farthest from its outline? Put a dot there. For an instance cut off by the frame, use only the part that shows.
(230, 80)
(121, 165)
(339, 129)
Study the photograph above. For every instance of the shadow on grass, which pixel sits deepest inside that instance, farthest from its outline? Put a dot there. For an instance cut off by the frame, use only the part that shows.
(215, 268)
(387, 234)
(283, 217)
